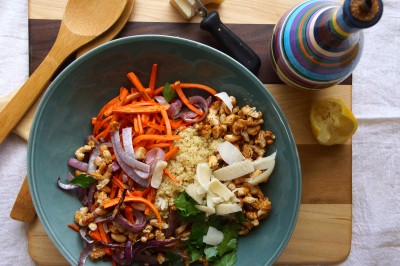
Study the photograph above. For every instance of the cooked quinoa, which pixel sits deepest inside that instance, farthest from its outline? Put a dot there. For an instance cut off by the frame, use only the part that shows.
(193, 149)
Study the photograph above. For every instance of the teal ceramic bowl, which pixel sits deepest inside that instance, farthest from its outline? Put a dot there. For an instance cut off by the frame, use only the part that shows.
(62, 123)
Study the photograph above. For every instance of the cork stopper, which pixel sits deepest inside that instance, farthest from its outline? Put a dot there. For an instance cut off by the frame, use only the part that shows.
(361, 14)
(365, 10)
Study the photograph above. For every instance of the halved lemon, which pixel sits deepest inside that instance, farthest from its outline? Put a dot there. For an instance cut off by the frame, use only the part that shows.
(332, 122)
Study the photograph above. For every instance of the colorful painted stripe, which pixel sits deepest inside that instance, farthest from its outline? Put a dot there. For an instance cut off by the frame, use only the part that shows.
(314, 45)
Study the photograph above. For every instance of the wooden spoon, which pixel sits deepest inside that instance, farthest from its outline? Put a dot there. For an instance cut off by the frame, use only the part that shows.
(83, 21)
(23, 209)
(112, 32)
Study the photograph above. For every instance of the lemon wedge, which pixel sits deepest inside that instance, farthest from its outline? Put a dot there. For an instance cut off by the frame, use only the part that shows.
(332, 122)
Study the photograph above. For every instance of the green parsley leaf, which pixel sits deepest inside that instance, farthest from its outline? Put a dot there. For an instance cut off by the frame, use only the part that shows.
(172, 258)
(211, 252)
(168, 92)
(199, 230)
(241, 217)
(82, 180)
(228, 259)
(186, 205)
(195, 254)
(230, 239)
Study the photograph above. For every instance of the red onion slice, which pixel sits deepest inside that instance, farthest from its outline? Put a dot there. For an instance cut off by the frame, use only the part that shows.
(160, 99)
(139, 225)
(142, 174)
(127, 168)
(75, 163)
(90, 195)
(84, 236)
(186, 113)
(174, 109)
(81, 193)
(84, 254)
(124, 257)
(70, 177)
(153, 156)
(91, 166)
(121, 154)
(152, 244)
(202, 103)
(115, 167)
(127, 141)
(172, 222)
(66, 187)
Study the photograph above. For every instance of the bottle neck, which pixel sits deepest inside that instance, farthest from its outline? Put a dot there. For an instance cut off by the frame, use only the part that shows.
(340, 25)
(355, 15)
(334, 24)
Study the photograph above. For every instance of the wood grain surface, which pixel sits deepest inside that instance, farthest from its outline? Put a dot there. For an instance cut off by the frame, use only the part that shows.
(323, 231)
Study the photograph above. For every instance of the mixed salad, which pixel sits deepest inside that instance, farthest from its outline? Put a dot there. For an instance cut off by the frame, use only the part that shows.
(139, 207)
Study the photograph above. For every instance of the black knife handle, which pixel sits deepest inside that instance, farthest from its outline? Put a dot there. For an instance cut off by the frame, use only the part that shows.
(234, 46)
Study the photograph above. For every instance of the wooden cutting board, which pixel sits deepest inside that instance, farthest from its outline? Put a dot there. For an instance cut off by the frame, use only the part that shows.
(324, 228)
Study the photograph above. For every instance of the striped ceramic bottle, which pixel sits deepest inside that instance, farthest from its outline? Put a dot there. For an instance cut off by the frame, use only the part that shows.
(318, 43)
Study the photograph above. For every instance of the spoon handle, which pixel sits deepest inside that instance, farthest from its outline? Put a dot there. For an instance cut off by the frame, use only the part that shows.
(15, 110)
(23, 209)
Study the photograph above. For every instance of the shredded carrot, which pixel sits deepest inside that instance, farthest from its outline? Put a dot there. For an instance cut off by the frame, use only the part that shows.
(177, 124)
(152, 194)
(95, 235)
(135, 124)
(173, 179)
(129, 109)
(155, 137)
(153, 76)
(113, 202)
(150, 197)
(136, 193)
(155, 126)
(123, 94)
(171, 152)
(104, 237)
(113, 191)
(136, 82)
(158, 90)
(128, 214)
(185, 100)
(106, 121)
(141, 131)
(145, 192)
(145, 118)
(158, 145)
(74, 227)
(100, 115)
(118, 183)
(198, 86)
(167, 122)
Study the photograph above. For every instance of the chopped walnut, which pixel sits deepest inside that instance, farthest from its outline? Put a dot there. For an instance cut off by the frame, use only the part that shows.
(239, 126)
(83, 217)
(213, 162)
(217, 131)
(231, 138)
(80, 153)
(97, 253)
(251, 111)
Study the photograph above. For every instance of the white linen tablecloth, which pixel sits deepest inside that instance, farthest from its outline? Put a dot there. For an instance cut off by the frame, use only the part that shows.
(376, 145)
